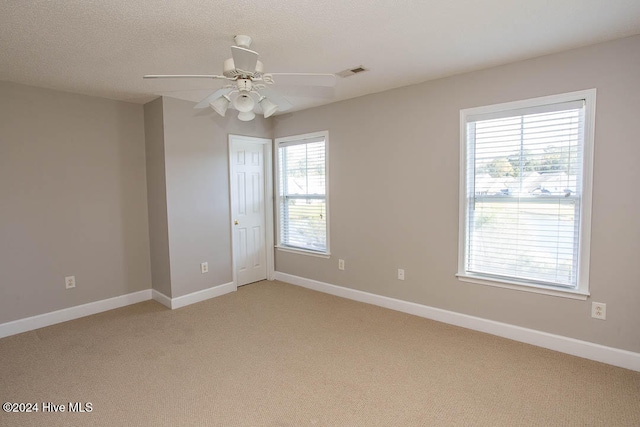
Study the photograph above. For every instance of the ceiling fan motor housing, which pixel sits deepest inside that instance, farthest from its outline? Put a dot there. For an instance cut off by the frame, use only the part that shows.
(229, 70)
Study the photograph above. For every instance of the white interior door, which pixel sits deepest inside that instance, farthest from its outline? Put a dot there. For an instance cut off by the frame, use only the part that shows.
(248, 208)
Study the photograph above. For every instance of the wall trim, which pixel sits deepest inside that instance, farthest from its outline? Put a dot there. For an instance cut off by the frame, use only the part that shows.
(161, 298)
(71, 313)
(600, 353)
(47, 319)
(193, 297)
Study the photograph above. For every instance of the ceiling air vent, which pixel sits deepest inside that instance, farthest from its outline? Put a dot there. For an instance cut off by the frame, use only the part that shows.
(352, 71)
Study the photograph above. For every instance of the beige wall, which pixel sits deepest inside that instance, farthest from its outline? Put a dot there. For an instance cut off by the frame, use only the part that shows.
(394, 176)
(73, 195)
(197, 191)
(157, 197)
(72, 200)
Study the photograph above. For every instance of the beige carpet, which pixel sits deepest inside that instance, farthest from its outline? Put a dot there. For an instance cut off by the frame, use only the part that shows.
(274, 354)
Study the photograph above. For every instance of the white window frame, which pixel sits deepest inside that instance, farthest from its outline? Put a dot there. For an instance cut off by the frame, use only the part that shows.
(582, 289)
(301, 138)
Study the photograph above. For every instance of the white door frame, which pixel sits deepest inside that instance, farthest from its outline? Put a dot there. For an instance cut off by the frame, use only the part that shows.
(268, 202)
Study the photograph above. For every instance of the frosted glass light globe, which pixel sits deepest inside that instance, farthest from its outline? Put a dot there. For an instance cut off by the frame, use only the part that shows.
(246, 116)
(244, 103)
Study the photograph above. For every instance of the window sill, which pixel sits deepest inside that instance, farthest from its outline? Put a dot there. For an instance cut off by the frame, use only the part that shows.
(325, 255)
(537, 289)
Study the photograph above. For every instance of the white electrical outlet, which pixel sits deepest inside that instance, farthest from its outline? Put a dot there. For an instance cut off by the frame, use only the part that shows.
(599, 310)
(70, 282)
(400, 274)
(340, 264)
(204, 267)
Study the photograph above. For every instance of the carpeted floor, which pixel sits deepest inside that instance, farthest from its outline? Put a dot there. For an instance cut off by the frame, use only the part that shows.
(273, 354)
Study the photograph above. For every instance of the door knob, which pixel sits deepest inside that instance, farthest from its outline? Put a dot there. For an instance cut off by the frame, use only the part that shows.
(235, 222)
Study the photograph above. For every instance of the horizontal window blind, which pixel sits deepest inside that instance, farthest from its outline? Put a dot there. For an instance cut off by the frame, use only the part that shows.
(302, 194)
(524, 188)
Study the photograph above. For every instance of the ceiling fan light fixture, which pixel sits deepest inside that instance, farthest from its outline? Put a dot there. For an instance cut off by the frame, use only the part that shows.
(247, 84)
(244, 102)
(246, 116)
(268, 107)
(221, 104)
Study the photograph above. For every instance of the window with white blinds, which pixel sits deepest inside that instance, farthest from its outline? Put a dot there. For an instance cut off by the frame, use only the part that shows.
(302, 192)
(526, 192)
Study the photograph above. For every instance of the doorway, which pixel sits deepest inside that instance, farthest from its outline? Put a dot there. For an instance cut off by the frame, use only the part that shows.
(251, 190)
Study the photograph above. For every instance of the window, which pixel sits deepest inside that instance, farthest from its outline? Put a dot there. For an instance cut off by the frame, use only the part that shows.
(525, 199)
(302, 193)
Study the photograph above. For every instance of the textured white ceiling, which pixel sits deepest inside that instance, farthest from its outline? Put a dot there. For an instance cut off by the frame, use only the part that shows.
(103, 47)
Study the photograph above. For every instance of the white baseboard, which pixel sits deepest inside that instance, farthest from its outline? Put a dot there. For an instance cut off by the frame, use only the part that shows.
(161, 298)
(600, 353)
(59, 316)
(48, 319)
(194, 297)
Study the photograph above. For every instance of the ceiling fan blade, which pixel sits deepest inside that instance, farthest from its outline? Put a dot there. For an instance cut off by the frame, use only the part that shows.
(215, 95)
(244, 59)
(183, 76)
(321, 92)
(273, 96)
(304, 79)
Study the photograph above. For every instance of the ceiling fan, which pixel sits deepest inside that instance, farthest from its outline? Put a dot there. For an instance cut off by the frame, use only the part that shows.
(248, 87)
